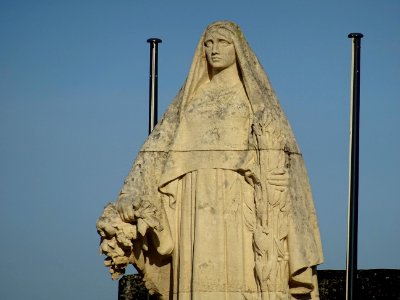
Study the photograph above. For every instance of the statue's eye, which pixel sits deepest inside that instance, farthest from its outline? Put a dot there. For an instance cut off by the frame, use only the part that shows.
(208, 43)
(224, 42)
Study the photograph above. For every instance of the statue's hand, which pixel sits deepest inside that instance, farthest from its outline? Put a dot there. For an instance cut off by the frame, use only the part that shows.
(277, 186)
(142, 213)
(125, 209)
(146, 218)
(278, 178)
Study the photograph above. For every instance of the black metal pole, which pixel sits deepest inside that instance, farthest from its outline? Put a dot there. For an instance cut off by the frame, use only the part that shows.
(153, 83)
(351, 260)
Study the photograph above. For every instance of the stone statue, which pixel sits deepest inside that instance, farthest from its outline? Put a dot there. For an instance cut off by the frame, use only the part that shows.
(218, 204)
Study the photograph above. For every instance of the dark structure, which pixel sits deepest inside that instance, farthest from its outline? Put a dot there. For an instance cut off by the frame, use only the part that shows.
(131, 287)
(375, 284)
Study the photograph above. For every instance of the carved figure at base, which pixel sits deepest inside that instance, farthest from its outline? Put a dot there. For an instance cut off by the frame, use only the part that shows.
(217, 204)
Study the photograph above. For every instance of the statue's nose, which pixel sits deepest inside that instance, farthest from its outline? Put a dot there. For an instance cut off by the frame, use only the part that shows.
(215, 48)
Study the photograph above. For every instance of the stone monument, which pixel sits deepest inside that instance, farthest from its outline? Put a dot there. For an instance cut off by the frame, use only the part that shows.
(217, 204)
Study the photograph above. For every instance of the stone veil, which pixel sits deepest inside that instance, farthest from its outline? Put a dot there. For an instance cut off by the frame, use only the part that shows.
(217, 204)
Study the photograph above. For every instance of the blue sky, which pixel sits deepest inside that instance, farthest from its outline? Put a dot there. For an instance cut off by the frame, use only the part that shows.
(73, 114)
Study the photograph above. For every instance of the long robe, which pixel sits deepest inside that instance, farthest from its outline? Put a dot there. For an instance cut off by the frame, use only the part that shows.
(211, 207)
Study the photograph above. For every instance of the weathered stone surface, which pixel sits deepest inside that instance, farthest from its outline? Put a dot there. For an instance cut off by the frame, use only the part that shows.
(218, 204)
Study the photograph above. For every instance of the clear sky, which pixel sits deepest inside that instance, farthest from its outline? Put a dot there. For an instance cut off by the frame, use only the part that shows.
(73, 114)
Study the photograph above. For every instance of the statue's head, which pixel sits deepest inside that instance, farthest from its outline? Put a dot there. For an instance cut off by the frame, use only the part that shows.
(219, 48)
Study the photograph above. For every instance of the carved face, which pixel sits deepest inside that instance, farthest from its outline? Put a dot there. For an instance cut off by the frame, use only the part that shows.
(220, 51)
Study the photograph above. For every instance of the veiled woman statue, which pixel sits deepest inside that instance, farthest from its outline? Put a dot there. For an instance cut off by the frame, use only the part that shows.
(218, 204)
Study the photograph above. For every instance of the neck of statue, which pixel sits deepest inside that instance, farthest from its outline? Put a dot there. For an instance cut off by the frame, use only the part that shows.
(226, 77)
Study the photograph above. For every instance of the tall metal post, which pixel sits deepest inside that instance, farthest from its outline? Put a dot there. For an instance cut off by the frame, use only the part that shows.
(153, 83)
(351, 260)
